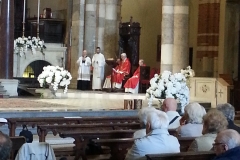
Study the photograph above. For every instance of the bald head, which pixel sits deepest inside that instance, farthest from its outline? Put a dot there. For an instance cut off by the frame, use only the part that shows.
(226, 140)
(169, 104)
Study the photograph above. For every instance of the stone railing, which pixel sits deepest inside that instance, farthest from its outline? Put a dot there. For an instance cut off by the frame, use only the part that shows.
(210, 90)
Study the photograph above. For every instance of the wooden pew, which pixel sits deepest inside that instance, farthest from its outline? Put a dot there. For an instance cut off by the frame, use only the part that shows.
(120, 146)
(17, 143)
(33, 122)
(182, 156)
(82, 138)
(55, 129)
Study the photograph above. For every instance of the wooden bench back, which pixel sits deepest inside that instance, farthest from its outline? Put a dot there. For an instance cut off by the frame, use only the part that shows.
(17, 143)
(182, 156)
(33, 122)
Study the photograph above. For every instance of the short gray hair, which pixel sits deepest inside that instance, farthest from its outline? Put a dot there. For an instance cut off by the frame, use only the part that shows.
(142, 114)
(124, 54)
(194, 113)
(230, 137)
(158, 120)
(228, 110)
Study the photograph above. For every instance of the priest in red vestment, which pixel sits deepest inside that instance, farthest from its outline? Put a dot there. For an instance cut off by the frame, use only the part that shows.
(131, 86)
(124, 69)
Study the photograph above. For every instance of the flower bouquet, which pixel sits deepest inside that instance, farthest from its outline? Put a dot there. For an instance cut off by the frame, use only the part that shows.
(55, 76)
(21, 44)
(168, 85)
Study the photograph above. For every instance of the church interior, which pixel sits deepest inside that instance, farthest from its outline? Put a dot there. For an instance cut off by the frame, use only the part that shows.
(165, 35)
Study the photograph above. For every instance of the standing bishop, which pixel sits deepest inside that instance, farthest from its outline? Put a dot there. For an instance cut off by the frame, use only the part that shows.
(98, 63)
(84, 63)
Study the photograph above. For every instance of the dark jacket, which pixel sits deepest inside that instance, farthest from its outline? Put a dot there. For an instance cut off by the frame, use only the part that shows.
(231, 154)
(231, 125)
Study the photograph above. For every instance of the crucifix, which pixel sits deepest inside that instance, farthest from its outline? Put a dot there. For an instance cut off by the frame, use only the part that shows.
(220, 92)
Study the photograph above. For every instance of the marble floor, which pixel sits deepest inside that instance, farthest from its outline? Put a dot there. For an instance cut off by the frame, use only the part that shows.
(74, 100)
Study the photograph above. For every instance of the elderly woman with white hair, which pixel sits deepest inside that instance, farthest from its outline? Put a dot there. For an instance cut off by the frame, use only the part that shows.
(213, 122)
(157, 140)
(142, 115)
(191, 121)
(229, 112)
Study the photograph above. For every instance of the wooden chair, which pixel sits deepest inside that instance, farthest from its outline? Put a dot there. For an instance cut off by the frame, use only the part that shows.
(144, 77)
(182, 156)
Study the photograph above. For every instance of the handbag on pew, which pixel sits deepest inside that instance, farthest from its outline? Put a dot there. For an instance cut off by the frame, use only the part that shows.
(27, 134)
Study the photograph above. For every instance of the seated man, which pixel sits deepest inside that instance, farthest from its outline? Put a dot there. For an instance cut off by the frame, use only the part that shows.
(229, 111)
(132, 83)
(107, 82)
(118, 75)
(5, 146)
(227, 145)
(142, 115)
(157, 140)
(170, 107)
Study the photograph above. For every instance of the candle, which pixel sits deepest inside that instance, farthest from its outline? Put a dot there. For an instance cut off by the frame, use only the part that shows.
(38, 11)
(24, 9)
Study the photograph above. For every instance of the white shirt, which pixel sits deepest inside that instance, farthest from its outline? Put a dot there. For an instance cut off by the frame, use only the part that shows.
(171, 115)
(191, 130)
(156, 142)
(139, 133)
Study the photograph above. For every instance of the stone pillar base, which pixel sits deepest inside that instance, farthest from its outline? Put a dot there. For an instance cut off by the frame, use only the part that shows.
(10, 85)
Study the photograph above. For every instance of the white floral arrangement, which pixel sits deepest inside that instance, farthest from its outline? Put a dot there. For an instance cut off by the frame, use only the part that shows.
(188, 72)
(55, 76)
(21, 44)
(168, 85)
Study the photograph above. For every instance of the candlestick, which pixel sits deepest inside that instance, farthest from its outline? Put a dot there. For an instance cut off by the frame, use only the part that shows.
(24, 5)
(38, 19)
(38, 11)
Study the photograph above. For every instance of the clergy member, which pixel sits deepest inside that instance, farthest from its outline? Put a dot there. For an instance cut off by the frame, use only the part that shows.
(107, 82)
(132, 83)
(84, 63)
(124, 69)
(98, 62)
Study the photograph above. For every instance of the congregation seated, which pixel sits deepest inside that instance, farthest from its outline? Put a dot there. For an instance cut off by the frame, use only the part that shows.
(191, 121)
(5, 146)
(157, 141)
(213, 122)
(132, 84)
(119, 74)
(229, 111)
(142, 114)
(227, 145)
(170, 107)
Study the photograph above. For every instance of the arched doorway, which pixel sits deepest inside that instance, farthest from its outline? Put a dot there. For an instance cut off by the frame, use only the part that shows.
(35, 68)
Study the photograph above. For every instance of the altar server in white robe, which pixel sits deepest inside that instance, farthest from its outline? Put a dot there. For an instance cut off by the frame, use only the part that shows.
(84, 72)
(98, 63)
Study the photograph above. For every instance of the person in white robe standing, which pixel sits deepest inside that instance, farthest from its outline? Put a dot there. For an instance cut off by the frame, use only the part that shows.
(84, 72)
(98, 63)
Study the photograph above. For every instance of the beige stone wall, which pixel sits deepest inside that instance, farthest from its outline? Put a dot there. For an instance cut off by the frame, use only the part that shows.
(148, 14)
(58, 7)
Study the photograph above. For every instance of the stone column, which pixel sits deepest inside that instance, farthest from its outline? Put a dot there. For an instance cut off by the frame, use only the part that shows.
(90, 27)
(111, 29)
(167, 35)
(7, 39)
(180, 49)
(6, 48)
(77, 37)
(101, 13)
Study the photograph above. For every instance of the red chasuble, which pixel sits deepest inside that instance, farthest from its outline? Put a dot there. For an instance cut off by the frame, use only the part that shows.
(123, 67)
(133, 81)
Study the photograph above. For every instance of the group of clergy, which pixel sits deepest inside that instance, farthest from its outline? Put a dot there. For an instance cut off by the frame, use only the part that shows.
(97, 65)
